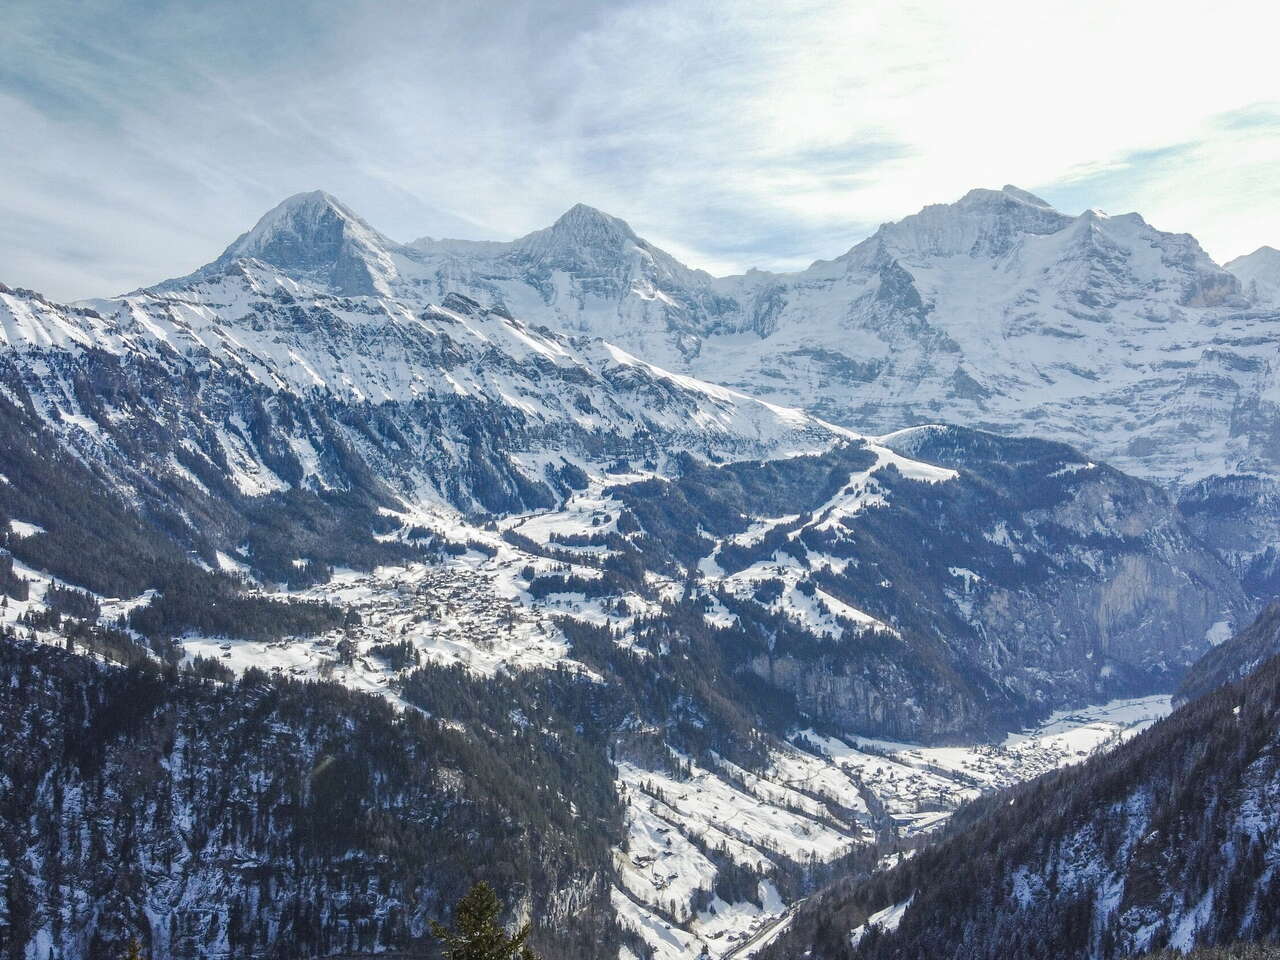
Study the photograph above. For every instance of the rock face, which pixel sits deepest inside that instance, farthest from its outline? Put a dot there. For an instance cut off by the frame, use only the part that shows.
(1238, 516)
(1236, 658)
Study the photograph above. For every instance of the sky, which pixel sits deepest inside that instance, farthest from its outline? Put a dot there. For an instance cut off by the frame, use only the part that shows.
(142, 136)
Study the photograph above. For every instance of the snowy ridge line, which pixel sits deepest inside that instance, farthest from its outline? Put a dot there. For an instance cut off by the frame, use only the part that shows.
(1055, 325)
(254, 328)
(357, 363)
(1062, 326)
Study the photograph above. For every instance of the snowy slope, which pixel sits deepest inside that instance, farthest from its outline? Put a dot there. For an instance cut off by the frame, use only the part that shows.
(1259, 274)
(257, 322)
(995, 311)
(315, 237)
(254, 332)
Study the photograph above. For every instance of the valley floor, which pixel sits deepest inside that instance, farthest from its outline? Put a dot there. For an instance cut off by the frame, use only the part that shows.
(820, 800)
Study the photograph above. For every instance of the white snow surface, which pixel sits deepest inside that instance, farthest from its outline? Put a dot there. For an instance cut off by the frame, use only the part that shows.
(886, 919)
(995, 311)
(377, 349)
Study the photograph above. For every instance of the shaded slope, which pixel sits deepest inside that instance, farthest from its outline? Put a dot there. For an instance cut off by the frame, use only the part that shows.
(1236, 658)
(1171, 839)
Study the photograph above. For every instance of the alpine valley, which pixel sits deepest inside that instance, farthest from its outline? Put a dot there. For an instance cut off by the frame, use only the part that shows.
(342, 573)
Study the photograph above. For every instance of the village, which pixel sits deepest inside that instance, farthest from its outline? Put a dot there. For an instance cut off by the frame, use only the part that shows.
(398, 619)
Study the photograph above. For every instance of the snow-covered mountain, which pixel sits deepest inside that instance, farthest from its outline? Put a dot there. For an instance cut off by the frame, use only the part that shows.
(996, 311)
(1259, 274)
(255, 378)
(314, 237)
(252, 328)
(315, 457)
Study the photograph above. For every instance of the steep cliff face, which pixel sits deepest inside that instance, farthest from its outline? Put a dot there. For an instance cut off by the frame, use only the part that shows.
(1235, 658)
(890, 699)
(1238, 516)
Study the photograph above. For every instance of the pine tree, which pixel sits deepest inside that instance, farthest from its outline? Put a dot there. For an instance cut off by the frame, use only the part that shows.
(477, 934)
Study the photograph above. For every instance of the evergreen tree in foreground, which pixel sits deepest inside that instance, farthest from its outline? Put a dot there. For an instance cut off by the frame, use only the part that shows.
(477, 934)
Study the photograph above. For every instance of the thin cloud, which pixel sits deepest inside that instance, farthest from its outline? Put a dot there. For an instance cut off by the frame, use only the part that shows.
(739, 134)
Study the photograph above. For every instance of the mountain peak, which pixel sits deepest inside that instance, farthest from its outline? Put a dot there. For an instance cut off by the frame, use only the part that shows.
(1264, 254)
(312, 237)
(310, 199)
(1259, 273)
(982, 223)
(304, 225)
(581, 234)
(311, 205)
(590, 225)
(1024, 196)
(982, 196)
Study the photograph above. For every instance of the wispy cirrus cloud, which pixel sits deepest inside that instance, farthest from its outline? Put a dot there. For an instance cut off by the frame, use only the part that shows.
(148, 135)
(1219, 184)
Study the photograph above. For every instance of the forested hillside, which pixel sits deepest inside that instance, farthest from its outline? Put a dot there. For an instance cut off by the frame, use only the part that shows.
(264, 817)
(1170, 840)
(1237, 657)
